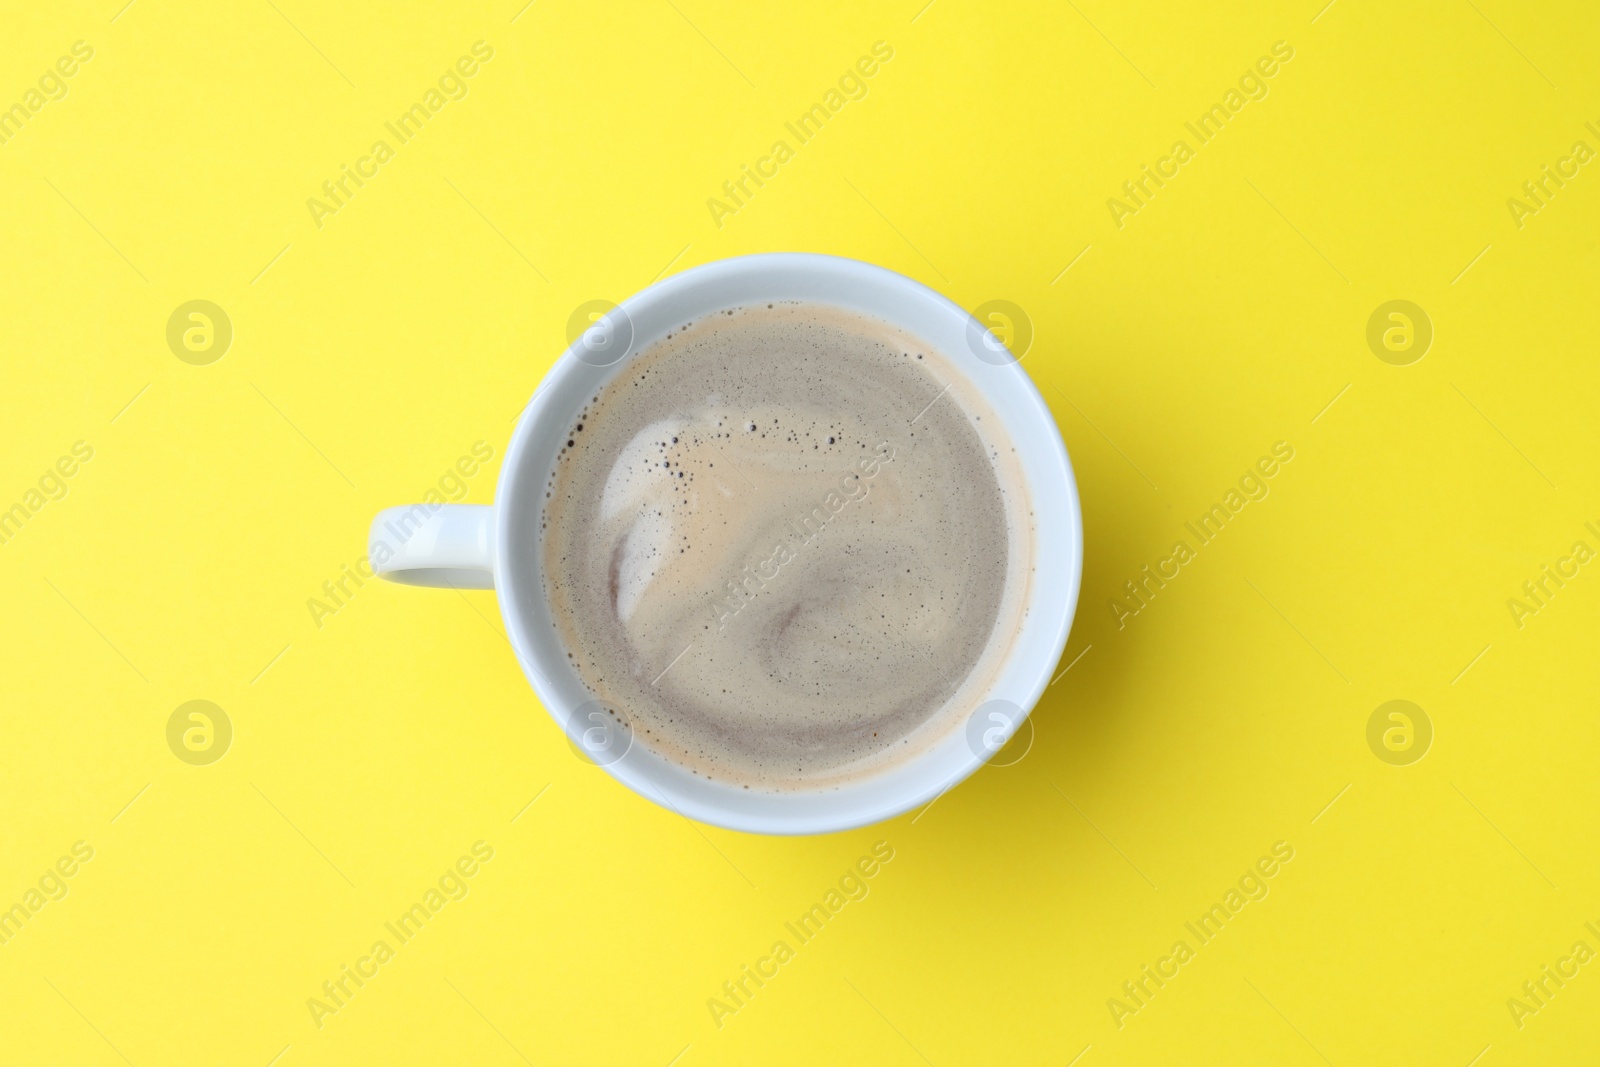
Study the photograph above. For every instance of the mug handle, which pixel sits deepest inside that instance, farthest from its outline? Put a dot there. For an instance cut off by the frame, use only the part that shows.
(437, 545)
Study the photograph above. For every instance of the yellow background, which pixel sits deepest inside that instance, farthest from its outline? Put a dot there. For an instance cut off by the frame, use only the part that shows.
(369, 354)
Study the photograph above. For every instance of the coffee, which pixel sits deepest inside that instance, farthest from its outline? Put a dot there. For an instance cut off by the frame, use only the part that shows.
(789, 544)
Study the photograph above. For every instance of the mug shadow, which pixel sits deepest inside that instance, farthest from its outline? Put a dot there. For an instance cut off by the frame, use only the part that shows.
(1077, 723)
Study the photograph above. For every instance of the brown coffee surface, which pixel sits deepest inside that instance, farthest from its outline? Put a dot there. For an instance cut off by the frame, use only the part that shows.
(789, 544)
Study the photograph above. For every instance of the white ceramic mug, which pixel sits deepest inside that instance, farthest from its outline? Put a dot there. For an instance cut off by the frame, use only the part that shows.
(493, 546)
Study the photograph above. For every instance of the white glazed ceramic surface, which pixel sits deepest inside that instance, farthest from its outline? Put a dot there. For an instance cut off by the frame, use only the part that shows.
(483, 546)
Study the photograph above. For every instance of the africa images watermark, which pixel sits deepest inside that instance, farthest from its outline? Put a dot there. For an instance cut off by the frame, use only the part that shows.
(452, 85)
(51, 86)
(199, 732)
(52, 486)
(1252, 487)
(337, 992)
(199, 332)
(338, 591)
(1252, 86)
(1252, 886)
(852, 85)
(1399, 732)
(1537, 592)
(802, 532)
(52, 886)
(1537, 992)
(752, 978)
(1541, 190)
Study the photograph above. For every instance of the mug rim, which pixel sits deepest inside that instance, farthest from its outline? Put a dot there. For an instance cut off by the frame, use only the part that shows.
(525, 638)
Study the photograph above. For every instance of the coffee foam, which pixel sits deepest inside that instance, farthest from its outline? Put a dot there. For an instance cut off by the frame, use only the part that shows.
(790, 544)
